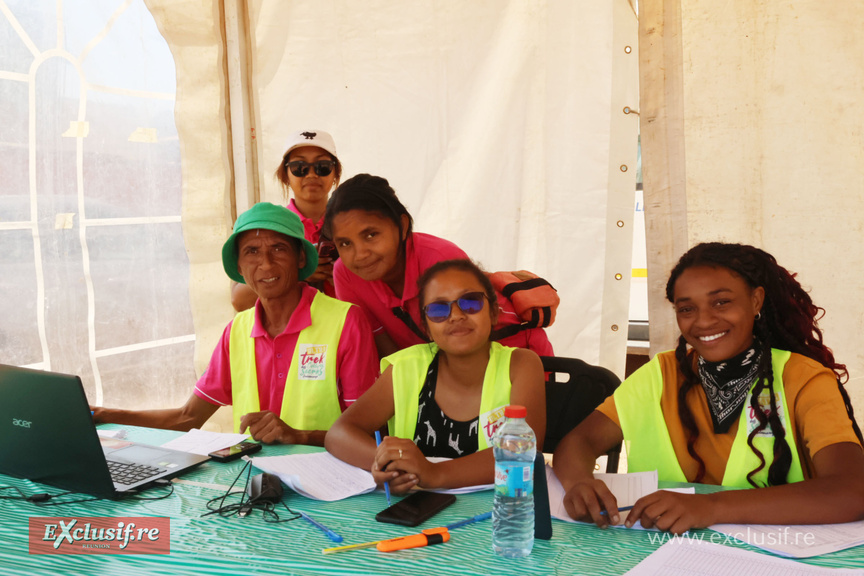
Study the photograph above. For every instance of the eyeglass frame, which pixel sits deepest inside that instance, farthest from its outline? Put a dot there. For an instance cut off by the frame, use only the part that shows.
(477, 296)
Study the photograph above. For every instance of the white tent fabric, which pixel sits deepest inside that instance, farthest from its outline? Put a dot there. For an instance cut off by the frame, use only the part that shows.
(95, 277)
(754, 136)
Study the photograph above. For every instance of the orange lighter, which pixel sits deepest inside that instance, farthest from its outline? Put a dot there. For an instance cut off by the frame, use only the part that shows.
(425, 538)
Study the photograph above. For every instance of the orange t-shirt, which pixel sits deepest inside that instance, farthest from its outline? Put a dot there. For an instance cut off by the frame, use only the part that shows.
(816, 410)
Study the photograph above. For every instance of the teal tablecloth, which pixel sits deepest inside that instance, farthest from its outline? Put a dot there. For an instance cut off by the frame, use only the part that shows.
(214, 545)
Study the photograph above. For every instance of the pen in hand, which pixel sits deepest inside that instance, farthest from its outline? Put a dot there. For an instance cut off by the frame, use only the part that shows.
(386, 484)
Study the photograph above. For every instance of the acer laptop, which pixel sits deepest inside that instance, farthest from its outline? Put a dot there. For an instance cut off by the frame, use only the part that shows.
(48, 436)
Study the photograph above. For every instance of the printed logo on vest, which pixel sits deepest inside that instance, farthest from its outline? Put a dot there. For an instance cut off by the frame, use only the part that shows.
(313, 361)
(490, 421)
(765, 406)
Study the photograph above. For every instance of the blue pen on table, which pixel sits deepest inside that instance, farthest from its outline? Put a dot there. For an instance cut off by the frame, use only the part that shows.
(330, 533)
(386, 484)
(472, 520)
(621, 509)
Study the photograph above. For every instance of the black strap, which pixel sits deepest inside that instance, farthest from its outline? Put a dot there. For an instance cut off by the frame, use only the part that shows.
(509, 330)
(402, 315)
(509, 289)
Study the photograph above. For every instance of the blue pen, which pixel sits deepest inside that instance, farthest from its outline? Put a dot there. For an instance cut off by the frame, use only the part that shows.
(330, 534)
(472, 520)
(621, 509)
(386, 484)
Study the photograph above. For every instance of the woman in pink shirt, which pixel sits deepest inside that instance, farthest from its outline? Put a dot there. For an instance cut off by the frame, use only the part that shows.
(309, 170)
(381, 259)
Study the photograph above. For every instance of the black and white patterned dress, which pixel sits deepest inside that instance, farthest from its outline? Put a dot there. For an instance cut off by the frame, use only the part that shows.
(437, 434)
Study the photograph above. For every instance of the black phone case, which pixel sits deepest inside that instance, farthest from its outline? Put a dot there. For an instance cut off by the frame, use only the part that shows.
(250, 448)
(416, 508)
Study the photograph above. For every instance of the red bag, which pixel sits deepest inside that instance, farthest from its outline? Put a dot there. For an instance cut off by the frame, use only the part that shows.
(533, 298)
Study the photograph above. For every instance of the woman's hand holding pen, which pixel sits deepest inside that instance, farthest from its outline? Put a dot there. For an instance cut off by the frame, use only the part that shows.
(592, 501)
(401, 463)
(673, 512)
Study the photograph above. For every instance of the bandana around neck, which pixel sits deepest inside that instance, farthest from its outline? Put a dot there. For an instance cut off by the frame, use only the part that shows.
(726, 385)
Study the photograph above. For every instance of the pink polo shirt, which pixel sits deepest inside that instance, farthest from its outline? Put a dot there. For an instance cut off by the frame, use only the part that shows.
(378, 300)
(311, 230)
(356, 359)
(312, 233)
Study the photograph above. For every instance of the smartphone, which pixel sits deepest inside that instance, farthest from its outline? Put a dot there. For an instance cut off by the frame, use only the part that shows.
(327, 249)
(235, 452)
(416, 508)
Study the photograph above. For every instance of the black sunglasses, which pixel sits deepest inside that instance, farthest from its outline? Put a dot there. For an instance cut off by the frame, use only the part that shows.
(470, 303)
(299, 168)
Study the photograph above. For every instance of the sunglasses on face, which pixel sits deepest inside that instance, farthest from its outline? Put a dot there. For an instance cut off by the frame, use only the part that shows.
(299, 168)
(470, 303)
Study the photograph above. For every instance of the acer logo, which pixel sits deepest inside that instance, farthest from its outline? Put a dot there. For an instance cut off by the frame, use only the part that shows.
(21, 423)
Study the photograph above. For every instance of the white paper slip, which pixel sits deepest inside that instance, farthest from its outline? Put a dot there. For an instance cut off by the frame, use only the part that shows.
(628, 488)
(797, 541)
(203, 443)
(556, 494)
(119, 433)
(319, 475)
(695, 557)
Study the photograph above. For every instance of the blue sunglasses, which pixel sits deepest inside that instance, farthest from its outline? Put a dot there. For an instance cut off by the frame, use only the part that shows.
(470, 303)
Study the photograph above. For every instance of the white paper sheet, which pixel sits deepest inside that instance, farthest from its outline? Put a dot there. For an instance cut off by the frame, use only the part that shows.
(320, 475)
(625, 487)
(695, 557)
(203, 443)
(797, 541)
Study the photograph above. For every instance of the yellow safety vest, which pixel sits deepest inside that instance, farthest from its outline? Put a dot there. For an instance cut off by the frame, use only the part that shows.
(647, 437)
(409, 372)
(311, 399)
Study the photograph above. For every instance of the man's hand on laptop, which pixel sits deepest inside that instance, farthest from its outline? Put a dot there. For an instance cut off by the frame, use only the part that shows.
(267, 427)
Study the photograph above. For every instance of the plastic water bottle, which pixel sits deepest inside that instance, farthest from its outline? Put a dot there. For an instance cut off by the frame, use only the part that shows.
(514, 446)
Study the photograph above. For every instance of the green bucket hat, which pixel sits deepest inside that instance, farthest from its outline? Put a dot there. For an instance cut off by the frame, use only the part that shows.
(267, 216)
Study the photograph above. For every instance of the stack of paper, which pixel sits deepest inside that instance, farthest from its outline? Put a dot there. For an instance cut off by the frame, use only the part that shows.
(797, 541)
(203, 443)
(698, 558)
(319, 475)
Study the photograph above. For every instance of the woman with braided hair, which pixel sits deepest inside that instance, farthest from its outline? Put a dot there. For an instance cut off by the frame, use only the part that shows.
(750, 398)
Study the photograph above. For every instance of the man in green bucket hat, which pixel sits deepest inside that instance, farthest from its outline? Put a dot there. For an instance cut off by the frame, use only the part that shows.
(291, 364)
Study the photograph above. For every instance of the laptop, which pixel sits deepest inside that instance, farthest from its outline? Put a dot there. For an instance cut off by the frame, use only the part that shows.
(48, 436)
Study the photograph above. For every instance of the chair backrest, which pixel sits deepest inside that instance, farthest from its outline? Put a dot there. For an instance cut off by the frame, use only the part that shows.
(574, 389)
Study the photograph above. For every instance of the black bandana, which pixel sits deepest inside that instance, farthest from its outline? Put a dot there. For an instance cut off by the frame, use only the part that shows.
(726, 385)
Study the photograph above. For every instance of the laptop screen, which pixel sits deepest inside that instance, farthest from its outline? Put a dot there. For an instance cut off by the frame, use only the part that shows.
(48, 432)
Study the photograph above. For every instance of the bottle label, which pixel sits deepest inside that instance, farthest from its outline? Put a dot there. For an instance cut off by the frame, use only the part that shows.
(514, 479)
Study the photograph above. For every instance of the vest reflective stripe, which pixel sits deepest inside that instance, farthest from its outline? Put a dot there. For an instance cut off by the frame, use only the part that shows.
(650, 448)
(409, 373)
(310, 403)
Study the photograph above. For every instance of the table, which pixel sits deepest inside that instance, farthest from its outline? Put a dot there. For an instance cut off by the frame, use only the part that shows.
(215, 546)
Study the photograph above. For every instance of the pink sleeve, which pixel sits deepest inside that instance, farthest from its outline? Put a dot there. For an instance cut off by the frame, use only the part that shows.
(357, 363)
(214, 386)
(345, 283)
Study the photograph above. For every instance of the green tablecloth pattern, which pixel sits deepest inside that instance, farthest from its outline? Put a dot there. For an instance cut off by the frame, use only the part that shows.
(215, 546)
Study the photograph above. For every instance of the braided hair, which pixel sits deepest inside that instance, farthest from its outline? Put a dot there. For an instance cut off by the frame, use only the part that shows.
(787, 321)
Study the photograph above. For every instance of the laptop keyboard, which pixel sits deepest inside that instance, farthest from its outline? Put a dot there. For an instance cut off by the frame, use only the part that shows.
(125, 473)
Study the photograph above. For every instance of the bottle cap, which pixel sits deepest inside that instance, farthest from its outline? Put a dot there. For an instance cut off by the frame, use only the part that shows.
(514, 411)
